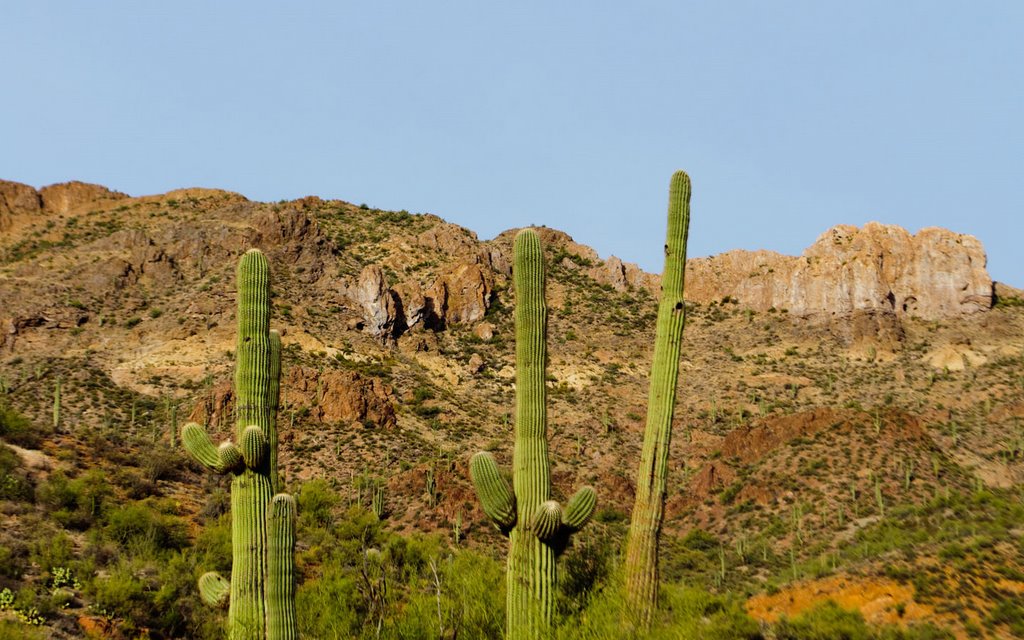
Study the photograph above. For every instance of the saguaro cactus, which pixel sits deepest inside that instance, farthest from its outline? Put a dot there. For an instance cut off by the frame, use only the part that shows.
(56, 405)
(538, 527)
(641, 567)
(262, 594)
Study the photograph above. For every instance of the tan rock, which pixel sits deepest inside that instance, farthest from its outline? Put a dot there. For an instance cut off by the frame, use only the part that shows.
(449, 238)
(16, 199)
(462, 295)
(934, 274)
(339, 396)
(484, 331)
(377, 301)
(69, 196)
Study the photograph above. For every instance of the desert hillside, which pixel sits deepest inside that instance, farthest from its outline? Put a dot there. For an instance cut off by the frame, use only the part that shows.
(849, 424)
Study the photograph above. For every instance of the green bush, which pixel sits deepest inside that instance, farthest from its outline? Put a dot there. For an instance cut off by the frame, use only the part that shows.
(141, 527)
(824, 622)
(75, 504)
(317, 501)
(14, 482)
(17, 429)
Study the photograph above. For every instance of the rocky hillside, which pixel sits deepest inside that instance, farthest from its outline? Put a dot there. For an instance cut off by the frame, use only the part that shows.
(879, 372)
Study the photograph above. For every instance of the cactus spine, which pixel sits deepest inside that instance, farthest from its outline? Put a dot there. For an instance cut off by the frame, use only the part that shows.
(262, 590)
(641, 566)
(538, 527)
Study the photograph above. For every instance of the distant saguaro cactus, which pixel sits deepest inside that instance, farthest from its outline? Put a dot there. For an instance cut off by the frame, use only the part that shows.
(56, 405)
(262, 593)
(538, 527)
(641, 566)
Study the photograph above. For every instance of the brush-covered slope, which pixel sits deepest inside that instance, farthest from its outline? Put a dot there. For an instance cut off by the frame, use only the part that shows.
(848, 424)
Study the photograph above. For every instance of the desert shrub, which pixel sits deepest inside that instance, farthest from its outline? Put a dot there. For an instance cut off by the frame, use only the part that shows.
(212, 548)
(700, 540)
(14, 483)
(14, 630)
(317, 501)
(76, 503)
(121, 592)
(13, 561)
(17, 429)
(1009, 613)
(686, 612)
(52, 549)
(586, 566)
(141, 527)
(162, 464)
(325, 604)
(824, 622)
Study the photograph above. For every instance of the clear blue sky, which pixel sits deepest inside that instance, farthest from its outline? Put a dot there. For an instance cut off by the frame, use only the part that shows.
(791, 116)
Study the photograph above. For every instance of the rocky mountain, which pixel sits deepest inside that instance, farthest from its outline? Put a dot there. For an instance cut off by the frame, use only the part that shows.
(819, 394)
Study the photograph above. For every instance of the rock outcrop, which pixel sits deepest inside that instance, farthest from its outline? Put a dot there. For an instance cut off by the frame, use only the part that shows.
(462, 295)
(378, 303)
(16, 199)
(339, 397)
(332, 397)
(934, 274)
(67, 196)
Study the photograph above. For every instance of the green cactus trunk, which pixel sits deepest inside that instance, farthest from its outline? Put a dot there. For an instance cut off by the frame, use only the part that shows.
(56, 406)
(252, 489)
(641, 566)
(281, 619)
(262, 594)
(538, 527)
(531, 563)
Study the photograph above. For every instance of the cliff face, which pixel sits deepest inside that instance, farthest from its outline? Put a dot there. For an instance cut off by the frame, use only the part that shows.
(933, 274)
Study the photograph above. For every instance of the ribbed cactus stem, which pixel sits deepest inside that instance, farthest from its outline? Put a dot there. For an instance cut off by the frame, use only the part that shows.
(199, 446)
(378, 501)
(274, 394)
(531, 563)
(231, 459)
(547, 520)
(495, 497)
(282, 623)
(580, 508)
(538, 527)
(254, 447)
(214, 589)
(251, 490)
(641, 566)
(262, 529)
(56, 405)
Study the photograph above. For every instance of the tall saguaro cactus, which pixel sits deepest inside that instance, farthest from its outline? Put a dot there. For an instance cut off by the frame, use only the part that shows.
(538, 527)
(641, 567)
(262, 593)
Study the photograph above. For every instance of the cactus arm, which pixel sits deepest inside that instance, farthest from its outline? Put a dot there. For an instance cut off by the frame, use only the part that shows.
(641, 565)
(214, 589)
(231, 460)
(254, 447)
(282, 623)
(580, 508)
(547, 520)
(495, 497)
(198, 445)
